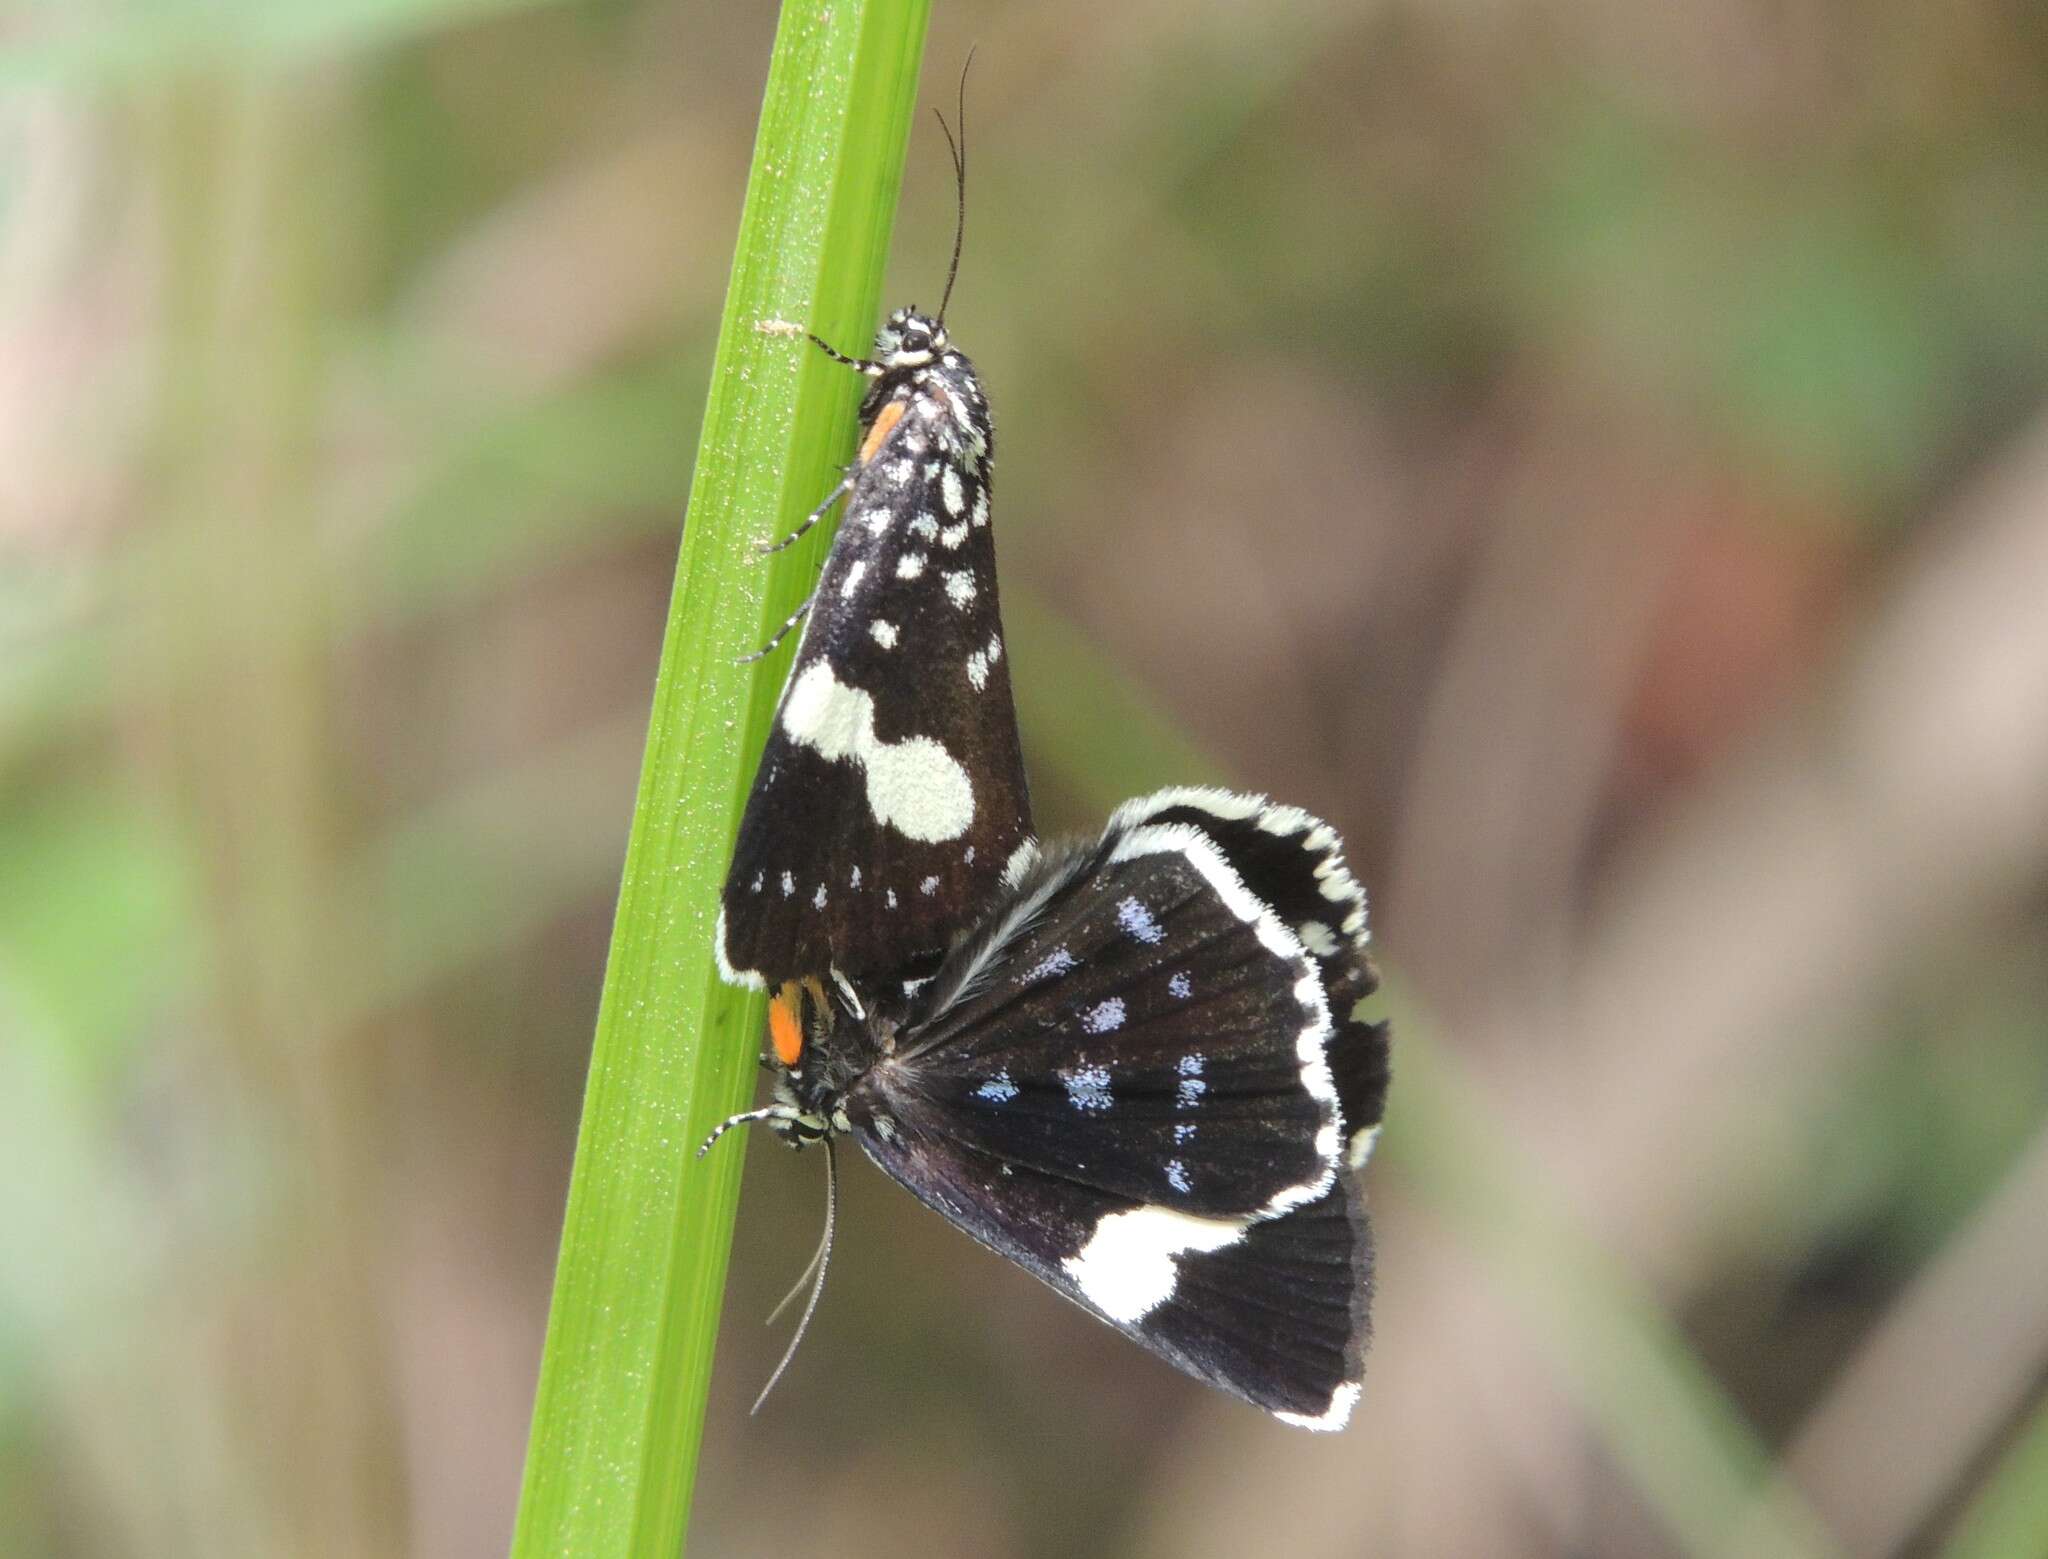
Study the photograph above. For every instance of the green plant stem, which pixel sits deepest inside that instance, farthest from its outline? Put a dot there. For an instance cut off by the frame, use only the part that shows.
(618, 1415)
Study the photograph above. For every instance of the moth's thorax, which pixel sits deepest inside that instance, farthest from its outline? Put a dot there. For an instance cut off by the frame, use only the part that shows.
(945, 389)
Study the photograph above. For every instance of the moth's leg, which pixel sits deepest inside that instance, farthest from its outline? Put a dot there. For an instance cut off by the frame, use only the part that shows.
(769, 548)
(781, 633)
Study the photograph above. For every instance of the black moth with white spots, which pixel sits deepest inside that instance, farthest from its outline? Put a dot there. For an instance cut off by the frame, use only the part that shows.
(891, 795)
(1145, 1077)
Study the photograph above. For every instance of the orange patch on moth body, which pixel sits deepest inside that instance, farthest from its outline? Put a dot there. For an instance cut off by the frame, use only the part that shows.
(785, 1024)
(885, 423)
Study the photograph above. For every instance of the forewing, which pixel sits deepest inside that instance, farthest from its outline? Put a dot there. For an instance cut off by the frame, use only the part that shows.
(891, 791)
(1274, 1311)
(1134, 1019)
(1123, 1082)
(1294, 863)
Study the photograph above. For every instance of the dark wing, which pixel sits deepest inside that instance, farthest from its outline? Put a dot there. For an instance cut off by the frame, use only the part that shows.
(1275, 1311)
(1122, 1083)
(1295, 863)
(1133, 1014)
(891, 792)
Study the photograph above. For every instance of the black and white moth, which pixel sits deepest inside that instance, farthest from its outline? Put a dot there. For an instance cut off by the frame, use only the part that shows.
(891, 794)
(1147, 1077)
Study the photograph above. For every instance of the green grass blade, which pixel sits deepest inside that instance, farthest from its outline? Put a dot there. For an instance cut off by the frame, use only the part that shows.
(619, 1410)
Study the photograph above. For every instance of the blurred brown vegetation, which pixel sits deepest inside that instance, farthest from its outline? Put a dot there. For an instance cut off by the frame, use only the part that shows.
(1596, 454)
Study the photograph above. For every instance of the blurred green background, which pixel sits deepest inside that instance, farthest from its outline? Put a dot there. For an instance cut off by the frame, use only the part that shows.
(1596, 454)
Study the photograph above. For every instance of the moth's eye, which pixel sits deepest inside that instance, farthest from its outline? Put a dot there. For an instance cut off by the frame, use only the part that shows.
(916, 340)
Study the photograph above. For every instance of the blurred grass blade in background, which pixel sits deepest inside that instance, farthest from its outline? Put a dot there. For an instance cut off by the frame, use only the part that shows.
(618, 1413)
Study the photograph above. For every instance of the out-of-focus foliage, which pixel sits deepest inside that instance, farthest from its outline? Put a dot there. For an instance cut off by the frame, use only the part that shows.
(1594, 454)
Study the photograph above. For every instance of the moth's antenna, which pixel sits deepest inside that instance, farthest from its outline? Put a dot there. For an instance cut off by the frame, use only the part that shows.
(802, 1282)
(959, 151)
(772, 1112)
(820, 1261)
(817, 1256)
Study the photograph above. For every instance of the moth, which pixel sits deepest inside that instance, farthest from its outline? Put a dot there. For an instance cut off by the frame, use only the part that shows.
(1147, 1074)
(891, 795)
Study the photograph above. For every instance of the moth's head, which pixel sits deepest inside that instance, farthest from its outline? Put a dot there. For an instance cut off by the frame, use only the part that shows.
(820, 1042)
(909, 339)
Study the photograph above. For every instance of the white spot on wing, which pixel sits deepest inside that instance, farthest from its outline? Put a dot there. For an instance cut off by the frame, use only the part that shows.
(927, 527)
(910, 565)
(1335, 1416)
(1284, 820)
(852, 584)
(883, 633)
(914, 786)
(1087, 1088)
(1138, 922)
(788, 884)
(1176, 1174)
(953, 535)
(854, 880)
(1188, 1093)
(977, 671)
(929, 886)
(981, 507)
(1127, 1268)
(998, 1089)
(1181, 986)
(1317, 938)
(960, 589)
(818, 898)
(1104, 1017)
(951, 493)
(1056, 962)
